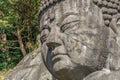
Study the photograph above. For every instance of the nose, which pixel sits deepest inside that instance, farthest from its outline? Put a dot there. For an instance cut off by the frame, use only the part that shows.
(53, 39)
(53, 45)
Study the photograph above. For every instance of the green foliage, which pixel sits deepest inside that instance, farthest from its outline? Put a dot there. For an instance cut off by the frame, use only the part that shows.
(9, 59)
(17, 15)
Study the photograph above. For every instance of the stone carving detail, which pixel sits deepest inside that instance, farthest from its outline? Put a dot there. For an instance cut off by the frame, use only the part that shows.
(80, 38)
(109, 9)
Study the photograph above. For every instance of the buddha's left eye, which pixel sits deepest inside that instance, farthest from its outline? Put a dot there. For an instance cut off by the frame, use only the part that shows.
(68, 26)
(64, 27)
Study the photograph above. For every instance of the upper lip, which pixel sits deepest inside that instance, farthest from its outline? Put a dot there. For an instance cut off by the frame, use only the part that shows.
(56, 54)
(57, 57)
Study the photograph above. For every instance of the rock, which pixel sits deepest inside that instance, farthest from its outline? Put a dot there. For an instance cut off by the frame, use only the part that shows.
(31, 67)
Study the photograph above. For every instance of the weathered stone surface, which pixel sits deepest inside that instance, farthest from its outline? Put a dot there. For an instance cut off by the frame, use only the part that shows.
(80, 38)
(30, 68)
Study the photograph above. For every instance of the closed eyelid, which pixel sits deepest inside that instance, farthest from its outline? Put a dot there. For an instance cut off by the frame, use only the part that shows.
(70, 22)
(63, 27)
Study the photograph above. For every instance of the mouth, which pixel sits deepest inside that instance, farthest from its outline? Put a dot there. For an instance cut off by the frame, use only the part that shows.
(57, 57)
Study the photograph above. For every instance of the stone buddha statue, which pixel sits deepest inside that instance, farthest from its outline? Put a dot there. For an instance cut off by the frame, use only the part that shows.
(80, 38)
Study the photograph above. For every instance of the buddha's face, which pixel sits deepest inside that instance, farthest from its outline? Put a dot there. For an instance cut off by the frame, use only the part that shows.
(72, 40)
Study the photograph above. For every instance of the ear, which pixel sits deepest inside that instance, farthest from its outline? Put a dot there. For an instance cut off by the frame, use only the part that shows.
(113, 23)
(118, 26)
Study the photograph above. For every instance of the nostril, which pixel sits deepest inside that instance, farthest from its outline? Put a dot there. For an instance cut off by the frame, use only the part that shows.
(53, 44)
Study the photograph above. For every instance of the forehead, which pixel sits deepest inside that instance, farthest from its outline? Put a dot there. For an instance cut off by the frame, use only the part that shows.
(60, 9)
(84, 8)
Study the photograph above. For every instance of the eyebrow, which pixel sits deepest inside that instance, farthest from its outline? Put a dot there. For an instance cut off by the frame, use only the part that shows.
(65, 16)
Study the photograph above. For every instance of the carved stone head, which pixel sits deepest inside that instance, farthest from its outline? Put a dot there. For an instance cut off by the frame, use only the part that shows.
(75, 35)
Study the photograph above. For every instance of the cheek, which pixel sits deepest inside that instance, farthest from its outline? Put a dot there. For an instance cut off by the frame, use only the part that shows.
(69, 43)
(76, 46)
(44, 50)
(76, 51)
(72, 46)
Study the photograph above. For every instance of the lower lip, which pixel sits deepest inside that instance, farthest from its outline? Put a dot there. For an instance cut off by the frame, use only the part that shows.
(57, 58)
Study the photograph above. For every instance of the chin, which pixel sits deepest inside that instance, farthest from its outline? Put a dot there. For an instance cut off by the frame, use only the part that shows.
(62, 63)
(62, 67)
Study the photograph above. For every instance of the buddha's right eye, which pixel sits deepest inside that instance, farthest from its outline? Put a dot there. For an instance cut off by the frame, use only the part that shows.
(44, 34)
(43, 38)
